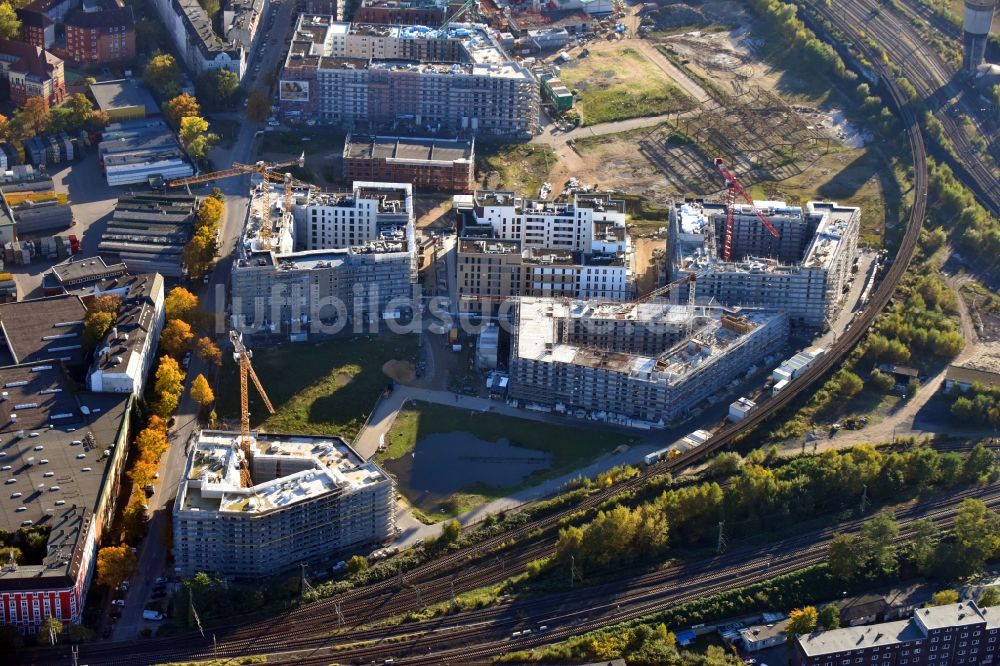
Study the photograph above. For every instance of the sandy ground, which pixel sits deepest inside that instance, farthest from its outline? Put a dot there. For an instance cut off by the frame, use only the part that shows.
(400, 371)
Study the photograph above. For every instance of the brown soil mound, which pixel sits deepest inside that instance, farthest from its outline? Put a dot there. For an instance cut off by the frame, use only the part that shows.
(400, 371)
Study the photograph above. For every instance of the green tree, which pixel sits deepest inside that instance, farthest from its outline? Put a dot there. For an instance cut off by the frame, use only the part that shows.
(842, 557)
(829, 617)
(450, 532)
(977, 535)
(258, 107)
(357, 564)
(802, 621)
(943, 598)
(883, 381)
(163, 75)
(848, 383)
(6, 552)
(195, 137)
(878, 543)
(95, 327)
(989, 597)
(10, 25)
(978, 463)
(923, 544)
(218, 88)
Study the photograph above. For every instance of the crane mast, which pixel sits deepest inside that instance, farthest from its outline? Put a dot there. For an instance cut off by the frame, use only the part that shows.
(242, 356)
(733, 188)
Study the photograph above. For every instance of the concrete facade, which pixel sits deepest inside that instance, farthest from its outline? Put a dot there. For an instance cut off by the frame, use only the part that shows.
(653, 363)
(332, 258)
(361, 75)
(803, 273)
(314, 500)
(512, 246)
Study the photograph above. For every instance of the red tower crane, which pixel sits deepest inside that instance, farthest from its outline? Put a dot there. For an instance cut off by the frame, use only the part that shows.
(733, 186)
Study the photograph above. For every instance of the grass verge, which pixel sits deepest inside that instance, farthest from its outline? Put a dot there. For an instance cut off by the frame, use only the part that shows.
(619, 84)
(325, 388)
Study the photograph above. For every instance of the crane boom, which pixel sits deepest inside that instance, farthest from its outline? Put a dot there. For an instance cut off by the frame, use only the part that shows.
(734, 187)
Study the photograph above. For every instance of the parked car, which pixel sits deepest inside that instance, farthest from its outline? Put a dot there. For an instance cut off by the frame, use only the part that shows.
(155, 616)
(160, 579)
(186, 362)
(118, 602)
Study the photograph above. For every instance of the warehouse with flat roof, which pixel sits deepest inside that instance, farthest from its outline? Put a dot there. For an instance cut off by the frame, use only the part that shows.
(61, 459)
(147, 232)
(123, 99)
(313, 500)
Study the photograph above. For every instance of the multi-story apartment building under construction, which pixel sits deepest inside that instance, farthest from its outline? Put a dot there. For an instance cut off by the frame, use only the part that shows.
(313, 499)
(803, 272)
(330, 261)
(651, 362)
(367, 76)
(513, 246)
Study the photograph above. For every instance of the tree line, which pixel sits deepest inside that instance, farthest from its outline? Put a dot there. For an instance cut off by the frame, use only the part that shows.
(980, 405)
(756, 496)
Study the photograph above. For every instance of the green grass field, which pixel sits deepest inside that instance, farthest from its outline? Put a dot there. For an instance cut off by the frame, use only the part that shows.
(326, 388)
(521, 167)
(571, 448)
(621, 83)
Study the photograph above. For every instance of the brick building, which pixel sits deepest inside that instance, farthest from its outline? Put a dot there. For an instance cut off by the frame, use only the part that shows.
(39, 19)
(444, 165)
(396, 12)
(31, 71)
(948, 635)
(98, 37)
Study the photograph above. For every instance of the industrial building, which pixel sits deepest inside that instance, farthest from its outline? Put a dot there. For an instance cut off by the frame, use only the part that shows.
(649, 363)
(124, 357)
(313, 500)
(43, 329)
(193, 34)
(513, 246)
(61, 457)
(133, 150)
(36, 208)
(148, 232)
(367, 76)
(804, 272)
(947, 635)
(124, 99)
(332, 259)
(442, 165)
(79, 275)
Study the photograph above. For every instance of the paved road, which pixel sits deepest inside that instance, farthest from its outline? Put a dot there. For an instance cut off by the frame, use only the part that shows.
(154, 548)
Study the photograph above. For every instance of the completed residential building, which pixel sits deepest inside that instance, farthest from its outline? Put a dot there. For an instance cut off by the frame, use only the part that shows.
(803, 272)
(367, 76)
(513, 246)
(950, 635)
(313, 500)
(100, 33)
(445, 165)
(31, 71)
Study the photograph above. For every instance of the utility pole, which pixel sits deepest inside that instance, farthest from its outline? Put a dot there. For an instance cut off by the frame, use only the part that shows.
(399, 569)
(864, 499)
(451, 587)
(340, 615)
(420, 601)
(722, 538)
(76, 655)
(572, 570)
(305, 586)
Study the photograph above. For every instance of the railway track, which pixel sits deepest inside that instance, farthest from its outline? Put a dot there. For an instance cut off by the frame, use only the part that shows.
(310, 622)
(930, 75)
(566, 614)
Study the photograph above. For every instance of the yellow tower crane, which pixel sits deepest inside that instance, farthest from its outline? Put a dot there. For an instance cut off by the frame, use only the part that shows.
(242, 356)
(268, 171)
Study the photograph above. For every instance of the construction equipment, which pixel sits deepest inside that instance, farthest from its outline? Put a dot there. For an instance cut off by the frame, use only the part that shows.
(242, 357)
(470, 6)
(733, 187)
(266, 171)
